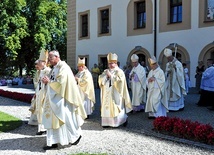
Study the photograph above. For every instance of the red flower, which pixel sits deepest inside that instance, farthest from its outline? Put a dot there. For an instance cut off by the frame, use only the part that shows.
(201, 132)
(16, 96)
(158, 123)
(185, 129)
(168, 125)
(210, 138)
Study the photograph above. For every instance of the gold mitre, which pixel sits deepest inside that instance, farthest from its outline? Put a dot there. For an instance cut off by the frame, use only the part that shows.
(167, 52)
(81, 62)
(134, 58)
(112, 57)
(152, 60)
(43, 55)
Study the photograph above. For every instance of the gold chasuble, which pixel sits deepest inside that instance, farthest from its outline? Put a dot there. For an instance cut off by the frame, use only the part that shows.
(114, 93)
(86, 84)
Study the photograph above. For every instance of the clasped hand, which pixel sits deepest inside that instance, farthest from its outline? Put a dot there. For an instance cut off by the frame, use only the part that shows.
(151, 79)
(45, 79)
(108, 74)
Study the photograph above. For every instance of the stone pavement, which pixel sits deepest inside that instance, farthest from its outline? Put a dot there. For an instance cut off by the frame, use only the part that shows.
(140, 124)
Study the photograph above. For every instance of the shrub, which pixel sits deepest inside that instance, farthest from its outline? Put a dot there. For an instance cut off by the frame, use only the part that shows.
(185, 129)
(202, 131)
(16, 96)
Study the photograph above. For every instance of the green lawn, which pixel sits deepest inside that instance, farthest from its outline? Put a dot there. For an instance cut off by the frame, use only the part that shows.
(8, 122)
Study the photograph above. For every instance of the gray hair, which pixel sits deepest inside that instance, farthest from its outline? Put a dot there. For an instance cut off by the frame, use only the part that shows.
(56, 53)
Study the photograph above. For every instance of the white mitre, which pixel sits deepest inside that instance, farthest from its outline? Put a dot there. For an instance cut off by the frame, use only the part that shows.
(167, 52)
(134, 58)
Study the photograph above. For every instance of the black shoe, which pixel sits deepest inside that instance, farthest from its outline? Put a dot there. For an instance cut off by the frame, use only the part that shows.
(50, 147)
(142, 110)
(77, 141)
(41, 132)
(126, 123)
(132, 112)
(211, 108)
(173, 110)
(181, 109)
(87, 117)
(151, 117)
(105, 126)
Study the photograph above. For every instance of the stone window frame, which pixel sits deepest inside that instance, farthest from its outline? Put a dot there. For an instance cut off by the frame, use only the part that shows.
(206, 13)
(136, 14)
(132, 29)
(202, 15)
(164, 17)
(80, 15)
(99, 34)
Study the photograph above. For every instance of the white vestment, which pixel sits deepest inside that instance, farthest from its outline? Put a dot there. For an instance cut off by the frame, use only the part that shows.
(138, 86)
(187, 80)
(40, 96)
(175, 85)
(33, 118)
(60, 117)
(157, 104)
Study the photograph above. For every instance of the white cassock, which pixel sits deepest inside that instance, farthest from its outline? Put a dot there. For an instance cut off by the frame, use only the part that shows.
(175, 85)
(157, 104)
(138, 87)
(40, 96)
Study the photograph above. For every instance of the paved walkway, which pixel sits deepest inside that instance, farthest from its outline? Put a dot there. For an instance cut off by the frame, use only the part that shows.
(26, 89)
(137, 138)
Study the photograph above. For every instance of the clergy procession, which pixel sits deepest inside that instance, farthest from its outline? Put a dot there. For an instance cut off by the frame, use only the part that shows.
(63, 99)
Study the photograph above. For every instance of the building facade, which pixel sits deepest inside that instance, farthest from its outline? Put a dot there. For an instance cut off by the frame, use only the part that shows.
(142, 27)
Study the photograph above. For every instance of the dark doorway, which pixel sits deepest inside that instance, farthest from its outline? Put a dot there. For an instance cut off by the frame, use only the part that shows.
(178, 56)
(86, 61)
(142, 57)
(103, 63)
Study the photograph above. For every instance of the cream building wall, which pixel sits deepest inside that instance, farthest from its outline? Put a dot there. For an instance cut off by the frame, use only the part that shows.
(194, 36)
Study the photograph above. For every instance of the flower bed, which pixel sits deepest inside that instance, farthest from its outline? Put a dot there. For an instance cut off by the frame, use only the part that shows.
(16, 96)
(185, 129)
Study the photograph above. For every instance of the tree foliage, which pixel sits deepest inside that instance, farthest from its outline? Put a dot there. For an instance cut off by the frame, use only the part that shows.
(26, 27)
(13, 28)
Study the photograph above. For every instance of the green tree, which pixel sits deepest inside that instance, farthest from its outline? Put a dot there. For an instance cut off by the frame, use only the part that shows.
(47, 26)
(13, 27)
(26, 27)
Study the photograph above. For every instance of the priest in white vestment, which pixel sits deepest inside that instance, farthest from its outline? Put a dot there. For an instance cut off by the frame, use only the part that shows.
(33, 117)
(41, 89)
(114, 95)
(86, 86)
(175, 82)
(63, 113)
(157, 103)
(137, 78)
